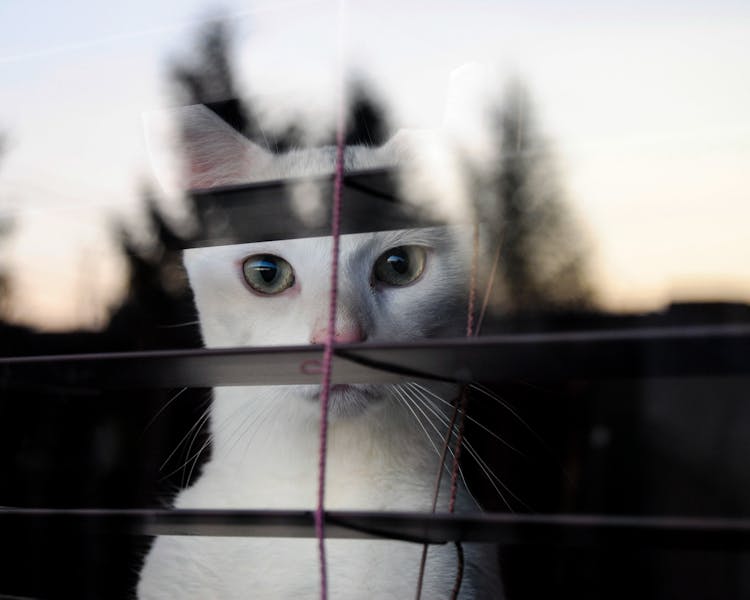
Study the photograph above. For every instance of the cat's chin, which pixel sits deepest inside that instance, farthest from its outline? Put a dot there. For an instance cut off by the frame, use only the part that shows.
(347, 401)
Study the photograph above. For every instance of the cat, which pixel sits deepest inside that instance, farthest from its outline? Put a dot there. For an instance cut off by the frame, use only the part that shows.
(383, 439)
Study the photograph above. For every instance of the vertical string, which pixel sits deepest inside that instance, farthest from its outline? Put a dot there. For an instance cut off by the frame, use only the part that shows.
(459, 410)
(473, 281)
(490, 283)
(436, 493)
(325, 386)
(464, 406)
(464, 392)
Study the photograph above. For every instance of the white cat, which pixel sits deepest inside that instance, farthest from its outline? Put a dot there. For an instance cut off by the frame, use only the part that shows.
(383, 440)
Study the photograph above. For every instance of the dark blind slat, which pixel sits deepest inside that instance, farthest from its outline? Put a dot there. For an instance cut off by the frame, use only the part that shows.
(506, 529)
(654, 352)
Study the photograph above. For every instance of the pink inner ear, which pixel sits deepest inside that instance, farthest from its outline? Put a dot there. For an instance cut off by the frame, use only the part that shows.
(215, 154)
(199, 175)
(212, 171)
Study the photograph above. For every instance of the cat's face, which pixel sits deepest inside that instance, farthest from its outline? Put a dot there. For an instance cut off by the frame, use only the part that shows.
(393, 285)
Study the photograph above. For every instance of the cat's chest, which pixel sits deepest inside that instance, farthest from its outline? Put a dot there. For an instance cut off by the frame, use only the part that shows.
(377, 461)
(237, 568)
(281, 482)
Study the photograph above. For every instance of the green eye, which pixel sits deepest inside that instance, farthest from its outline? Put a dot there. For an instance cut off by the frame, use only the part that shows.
(400, 266)
(268, 274)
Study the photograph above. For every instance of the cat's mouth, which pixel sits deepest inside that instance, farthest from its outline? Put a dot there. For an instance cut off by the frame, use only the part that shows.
(349, 400)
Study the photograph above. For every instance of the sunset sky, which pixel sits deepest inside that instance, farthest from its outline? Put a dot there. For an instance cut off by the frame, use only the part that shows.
(644, 107)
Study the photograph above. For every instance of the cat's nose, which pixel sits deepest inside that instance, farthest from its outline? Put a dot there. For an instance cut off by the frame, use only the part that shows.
(344, 334)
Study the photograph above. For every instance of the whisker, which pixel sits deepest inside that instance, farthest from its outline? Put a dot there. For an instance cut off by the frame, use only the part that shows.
(237, 434)
(492, 475)
(197, 455)
(185, 463)
(195, 427)
(199, 423)
(162, 409)
(209, 440)
(492, 396)
(249, 436)
(445, 421)
(185, 324)
(537, 437)
(247, 421)
(480, 462)
(440, 416)
(544, 445)
(424, 390)
(397, 389)
(195, 458)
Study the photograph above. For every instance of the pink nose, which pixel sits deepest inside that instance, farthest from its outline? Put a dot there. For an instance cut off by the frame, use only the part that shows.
(342, 335)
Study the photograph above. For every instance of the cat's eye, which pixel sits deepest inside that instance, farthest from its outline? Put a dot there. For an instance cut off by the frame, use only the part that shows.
(400, 266)
(268, 274)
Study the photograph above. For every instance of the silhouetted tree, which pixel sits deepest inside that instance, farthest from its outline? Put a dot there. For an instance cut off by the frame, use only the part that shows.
(366, 122)
(4, 279)
(542, 257)
(157, 311)
(5, 228)
(158, 294)
(209, 80)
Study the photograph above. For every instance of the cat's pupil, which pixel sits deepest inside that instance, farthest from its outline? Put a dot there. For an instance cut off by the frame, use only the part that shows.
(267, 270)
(399, 261)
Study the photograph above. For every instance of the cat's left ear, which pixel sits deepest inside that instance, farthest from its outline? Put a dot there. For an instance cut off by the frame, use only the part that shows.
(191, 148)
(215, 154)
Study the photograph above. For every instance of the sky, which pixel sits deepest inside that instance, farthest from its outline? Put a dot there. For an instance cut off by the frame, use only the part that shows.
(644, 108)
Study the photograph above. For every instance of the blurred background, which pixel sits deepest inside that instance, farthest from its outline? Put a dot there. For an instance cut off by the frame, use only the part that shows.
(604, 148)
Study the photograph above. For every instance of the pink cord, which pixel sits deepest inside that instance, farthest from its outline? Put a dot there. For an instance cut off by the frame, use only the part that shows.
(464, 392)
(473, 282)
(459, 410)
(325, 386)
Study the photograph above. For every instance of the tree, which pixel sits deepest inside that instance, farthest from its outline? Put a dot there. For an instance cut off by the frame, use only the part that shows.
(542, 259)
(5, 228)
(209, 80)
(366, 122)
(158, 301)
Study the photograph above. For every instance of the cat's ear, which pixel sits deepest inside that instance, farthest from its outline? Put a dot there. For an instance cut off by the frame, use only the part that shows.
(214, 153)
(192, 148)
(430, 173)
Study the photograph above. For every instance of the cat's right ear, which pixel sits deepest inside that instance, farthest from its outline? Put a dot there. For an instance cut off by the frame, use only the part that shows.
(210, 153)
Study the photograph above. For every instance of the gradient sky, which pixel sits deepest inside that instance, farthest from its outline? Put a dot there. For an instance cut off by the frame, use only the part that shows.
(645, 107)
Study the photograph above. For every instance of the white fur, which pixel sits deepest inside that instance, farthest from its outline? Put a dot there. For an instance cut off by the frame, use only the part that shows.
(265, 439)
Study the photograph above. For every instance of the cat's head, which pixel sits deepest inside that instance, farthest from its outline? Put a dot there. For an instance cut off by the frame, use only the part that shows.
(393, 285)
(235, 311)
